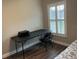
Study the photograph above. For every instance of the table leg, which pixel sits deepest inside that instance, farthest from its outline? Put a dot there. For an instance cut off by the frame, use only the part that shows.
(16, 48)
(23, 50)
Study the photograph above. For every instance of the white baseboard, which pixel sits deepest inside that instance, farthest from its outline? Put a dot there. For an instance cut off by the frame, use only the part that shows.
(20, 49)
(61, 43)
(8, 54)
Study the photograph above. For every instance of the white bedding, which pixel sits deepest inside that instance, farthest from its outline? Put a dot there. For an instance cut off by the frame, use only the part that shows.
(69, 53)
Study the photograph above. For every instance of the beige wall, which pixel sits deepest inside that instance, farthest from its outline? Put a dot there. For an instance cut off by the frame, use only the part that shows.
(71, 18)
(19, 15)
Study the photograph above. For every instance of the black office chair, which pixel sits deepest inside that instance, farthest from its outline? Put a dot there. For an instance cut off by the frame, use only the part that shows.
(46, 40)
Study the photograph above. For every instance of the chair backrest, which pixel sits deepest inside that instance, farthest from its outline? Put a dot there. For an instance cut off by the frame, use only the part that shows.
(47, 37)
(49, 34)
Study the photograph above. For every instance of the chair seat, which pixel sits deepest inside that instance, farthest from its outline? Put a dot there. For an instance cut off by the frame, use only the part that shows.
(45, 41)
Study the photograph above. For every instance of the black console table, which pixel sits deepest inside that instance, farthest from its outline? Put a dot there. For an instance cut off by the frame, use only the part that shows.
(32, 35)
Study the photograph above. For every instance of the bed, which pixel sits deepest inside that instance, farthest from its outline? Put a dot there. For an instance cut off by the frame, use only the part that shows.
(69, 53)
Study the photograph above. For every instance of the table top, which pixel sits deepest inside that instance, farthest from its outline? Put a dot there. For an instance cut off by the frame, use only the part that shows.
(32, 35)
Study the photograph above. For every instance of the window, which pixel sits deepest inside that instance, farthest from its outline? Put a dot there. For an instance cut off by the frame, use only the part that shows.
(57, 18)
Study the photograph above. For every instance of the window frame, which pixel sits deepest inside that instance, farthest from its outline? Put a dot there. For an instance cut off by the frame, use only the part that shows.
(65, 23)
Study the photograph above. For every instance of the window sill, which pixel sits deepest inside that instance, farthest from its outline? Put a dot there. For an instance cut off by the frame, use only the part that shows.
(60, 35)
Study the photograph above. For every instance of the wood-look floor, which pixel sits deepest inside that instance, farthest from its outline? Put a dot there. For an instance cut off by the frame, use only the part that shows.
(40, 53)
